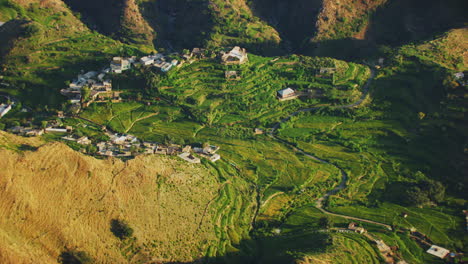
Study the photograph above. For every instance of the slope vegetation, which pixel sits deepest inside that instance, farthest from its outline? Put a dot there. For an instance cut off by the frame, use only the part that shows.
(54, 199)
(121, 19)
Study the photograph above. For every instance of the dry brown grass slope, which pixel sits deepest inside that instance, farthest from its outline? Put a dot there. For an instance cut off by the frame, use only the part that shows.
(134, 26)
(342, 15)
(55, 198)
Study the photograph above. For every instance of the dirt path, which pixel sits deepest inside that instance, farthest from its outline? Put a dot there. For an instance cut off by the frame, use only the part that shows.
(344, 175)
(139, 119)
(271, 197)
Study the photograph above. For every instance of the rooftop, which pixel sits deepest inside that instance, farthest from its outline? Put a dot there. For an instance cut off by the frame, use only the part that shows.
(438, 251)
(286, 92)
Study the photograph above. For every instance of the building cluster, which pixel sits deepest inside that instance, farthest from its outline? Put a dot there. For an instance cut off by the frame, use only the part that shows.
(235, 56)
(80, 140)
(354, 227)
(124, 145)
(31, 131)
(119, 64)
(100, 88)
(119, 145)
(27, 131)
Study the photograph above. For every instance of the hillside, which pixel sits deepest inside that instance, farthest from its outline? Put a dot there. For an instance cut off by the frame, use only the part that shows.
(54, 199)
(119, 19)
(47, 46)
(319, 27)
(345, 128)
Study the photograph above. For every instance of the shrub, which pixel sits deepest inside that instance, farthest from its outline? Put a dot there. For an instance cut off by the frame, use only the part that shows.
(74, 257)
(32, 29)
(121, 229)
(325, 222)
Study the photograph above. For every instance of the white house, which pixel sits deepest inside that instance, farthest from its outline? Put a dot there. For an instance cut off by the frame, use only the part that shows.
(83, 141)
(146, 60)
(157, 56)
(237, 55)
(438, 251)
(118, 139)
(101, 76)
(459, 75)
(119, 64)
(4, 109)
(215, 157)
(286, 93)
(189, 157)
(166, 67)
(90, 74)
(56, 130)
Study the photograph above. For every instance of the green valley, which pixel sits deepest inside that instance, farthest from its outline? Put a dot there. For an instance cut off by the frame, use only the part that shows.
(147, 134)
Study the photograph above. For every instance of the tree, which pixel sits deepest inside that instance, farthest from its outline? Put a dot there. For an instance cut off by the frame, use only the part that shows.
(134, 149)
(85, 93)
(121, 229)
(416, 197)
(2, 126)
(79, 133)
(32, 29)
(43, 124)
(74, 257)
(434, 190)
(91, 148)
(325, 222)
(139, 96)
(14, 123)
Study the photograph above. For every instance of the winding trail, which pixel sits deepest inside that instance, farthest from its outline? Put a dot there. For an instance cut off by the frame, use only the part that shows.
(344, 175)
(139, 119)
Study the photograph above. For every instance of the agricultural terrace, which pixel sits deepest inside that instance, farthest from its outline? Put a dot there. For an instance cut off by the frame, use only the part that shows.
(374, 144)
(391, 147)
(202, 89)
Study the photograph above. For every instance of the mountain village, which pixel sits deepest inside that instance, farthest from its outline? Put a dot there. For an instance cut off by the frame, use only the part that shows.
(94, 86)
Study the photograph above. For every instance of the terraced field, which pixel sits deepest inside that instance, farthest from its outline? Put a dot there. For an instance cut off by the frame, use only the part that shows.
(201, 87)
(349, 248)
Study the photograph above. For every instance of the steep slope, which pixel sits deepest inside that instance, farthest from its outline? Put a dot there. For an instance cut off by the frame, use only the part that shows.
(354, 29)
(449, 50)
(399, 22)
(342, 19)
(120, 19)
(9, 33)
(134, 27)
(55, 199)
(295, 20)
(185, 24)
(48, 46)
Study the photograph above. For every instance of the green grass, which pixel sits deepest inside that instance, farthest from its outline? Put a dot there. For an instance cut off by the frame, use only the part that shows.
(201, 87)
(39, 65)
(7, 11)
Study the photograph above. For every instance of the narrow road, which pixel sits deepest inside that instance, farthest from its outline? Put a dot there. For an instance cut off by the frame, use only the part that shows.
(344, 175)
